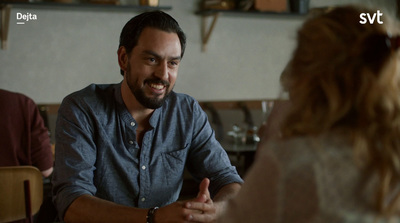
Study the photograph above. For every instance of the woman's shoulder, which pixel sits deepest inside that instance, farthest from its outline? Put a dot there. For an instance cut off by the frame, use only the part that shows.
(306, 150)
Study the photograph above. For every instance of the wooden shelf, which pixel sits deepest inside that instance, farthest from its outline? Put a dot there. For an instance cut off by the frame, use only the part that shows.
(5, 8)
(210, 12)
(84, 6)
(206, 30)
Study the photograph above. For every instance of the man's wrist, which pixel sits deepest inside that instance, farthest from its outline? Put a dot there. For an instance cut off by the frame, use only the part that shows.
(220, 207)
(150, 215)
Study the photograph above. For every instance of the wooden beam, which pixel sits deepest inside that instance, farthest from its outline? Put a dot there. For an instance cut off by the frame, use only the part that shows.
(5, 22)
(398, 9)
(251, 104)
(206, 32)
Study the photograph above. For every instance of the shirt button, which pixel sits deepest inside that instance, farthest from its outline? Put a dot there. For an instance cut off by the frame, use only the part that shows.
(130, 142)
(143, 167)
(133, 124)
(143, 199)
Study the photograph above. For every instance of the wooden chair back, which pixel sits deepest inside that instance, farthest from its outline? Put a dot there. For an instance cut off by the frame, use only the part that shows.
(21, 192)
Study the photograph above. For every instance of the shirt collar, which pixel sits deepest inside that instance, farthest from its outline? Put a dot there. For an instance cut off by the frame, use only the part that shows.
(156, 113)
(117, 93)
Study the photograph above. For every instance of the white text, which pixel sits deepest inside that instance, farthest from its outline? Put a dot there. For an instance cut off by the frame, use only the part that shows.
(26, 17)
(371, 18)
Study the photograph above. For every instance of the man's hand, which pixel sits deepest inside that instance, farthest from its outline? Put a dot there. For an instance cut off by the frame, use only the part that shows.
(202, 207)
(173, 213)
(198, 209)
(208, 210)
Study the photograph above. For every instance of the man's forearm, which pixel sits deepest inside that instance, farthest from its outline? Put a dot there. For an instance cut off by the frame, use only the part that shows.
(88, 209)
(225, 194)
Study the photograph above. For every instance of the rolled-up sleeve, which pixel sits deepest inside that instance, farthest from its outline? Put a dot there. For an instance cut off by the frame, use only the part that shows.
(207, 158)
(74, 158)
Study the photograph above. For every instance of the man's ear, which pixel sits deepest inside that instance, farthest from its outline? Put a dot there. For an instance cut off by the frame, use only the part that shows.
(122, 58)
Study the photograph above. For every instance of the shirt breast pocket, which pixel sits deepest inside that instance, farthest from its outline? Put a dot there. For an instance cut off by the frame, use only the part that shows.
(174, 165)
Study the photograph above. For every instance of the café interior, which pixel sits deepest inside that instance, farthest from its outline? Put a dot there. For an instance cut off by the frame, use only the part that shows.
(235, 54)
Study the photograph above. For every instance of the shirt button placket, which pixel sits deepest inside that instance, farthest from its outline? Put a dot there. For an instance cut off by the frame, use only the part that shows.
(131, 142)
(143, 193)
(144, 173)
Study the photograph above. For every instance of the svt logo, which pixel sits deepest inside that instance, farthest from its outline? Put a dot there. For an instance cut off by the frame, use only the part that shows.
(371, 18)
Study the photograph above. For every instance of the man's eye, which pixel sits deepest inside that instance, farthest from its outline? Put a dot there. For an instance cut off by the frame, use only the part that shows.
(152, 60)
(174, 63)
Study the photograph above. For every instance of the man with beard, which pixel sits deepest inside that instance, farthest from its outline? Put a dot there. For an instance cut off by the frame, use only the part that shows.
(122, 148)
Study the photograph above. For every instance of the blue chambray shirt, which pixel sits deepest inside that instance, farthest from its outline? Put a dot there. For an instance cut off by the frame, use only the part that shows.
(97, 152)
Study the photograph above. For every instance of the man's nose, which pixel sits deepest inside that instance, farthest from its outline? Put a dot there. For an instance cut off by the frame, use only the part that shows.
(162, 71)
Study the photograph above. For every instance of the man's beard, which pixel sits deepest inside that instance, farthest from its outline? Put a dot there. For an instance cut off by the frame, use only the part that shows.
(148, 102)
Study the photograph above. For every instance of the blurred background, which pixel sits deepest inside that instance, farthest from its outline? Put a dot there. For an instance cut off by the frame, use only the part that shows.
(67, 48)
(231, 66)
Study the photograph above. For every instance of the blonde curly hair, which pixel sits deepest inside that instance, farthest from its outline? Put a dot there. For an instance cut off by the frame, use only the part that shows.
(344, 78)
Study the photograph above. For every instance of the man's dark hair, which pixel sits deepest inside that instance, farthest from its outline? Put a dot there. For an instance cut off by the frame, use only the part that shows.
(156, 19)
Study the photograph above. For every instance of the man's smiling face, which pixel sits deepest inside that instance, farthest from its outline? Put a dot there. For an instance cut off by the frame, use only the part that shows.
(152, 66)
